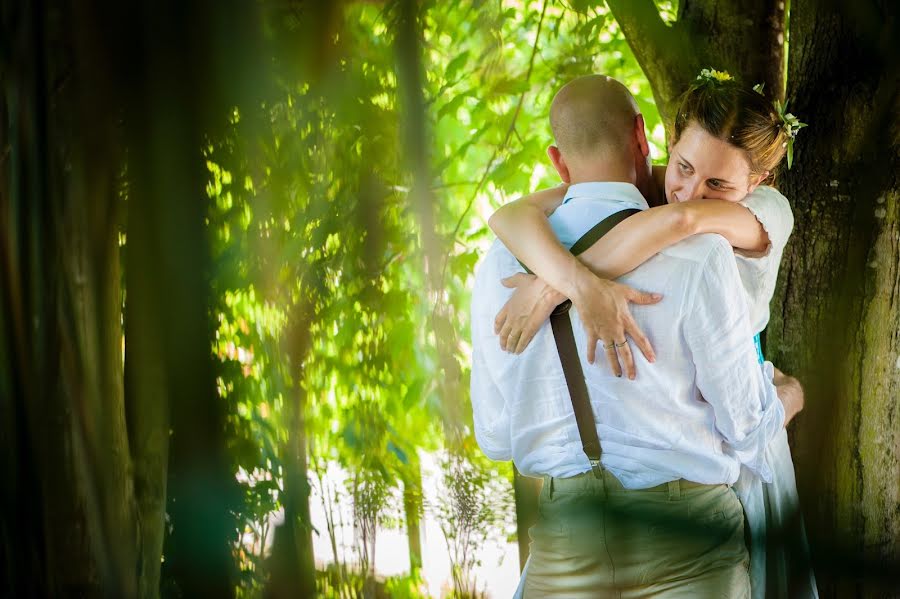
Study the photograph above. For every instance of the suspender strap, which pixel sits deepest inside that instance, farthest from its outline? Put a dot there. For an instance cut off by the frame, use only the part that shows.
(568, 352)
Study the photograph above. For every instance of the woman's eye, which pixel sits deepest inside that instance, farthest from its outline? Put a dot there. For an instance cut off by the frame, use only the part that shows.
(715, 183)
(684, 168)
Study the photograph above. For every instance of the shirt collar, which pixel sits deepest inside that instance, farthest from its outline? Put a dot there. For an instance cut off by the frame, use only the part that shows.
(625, 193)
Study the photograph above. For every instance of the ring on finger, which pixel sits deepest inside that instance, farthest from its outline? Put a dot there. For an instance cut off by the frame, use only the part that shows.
(611, 345)
(623, 344)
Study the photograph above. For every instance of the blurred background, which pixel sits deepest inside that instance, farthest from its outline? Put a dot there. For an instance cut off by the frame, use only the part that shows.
(237, 245)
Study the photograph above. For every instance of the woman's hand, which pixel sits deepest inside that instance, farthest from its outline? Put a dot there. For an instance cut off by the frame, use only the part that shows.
(602, 306)
(523, 314)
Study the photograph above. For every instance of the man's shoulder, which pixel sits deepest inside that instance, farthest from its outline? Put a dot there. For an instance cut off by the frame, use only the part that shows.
(698, 249)
(496, 263)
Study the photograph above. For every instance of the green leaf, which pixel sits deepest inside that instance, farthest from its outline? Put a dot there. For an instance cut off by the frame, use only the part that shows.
(455, 65)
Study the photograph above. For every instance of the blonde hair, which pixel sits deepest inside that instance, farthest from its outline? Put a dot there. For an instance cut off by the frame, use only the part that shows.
(739, 116)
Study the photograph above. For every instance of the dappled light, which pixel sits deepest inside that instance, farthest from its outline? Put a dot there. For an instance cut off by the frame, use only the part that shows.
(239, 243)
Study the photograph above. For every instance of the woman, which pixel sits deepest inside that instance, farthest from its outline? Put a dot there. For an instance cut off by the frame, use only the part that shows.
(728, 141)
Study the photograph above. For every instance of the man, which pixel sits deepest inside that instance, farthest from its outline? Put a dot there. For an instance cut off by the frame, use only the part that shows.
(661, 518)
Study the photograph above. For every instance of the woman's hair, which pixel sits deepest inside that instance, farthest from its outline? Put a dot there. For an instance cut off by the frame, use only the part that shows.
(738, 115)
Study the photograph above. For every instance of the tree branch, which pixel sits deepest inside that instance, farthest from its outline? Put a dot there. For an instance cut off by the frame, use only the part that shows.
(640, 19)
(661, 51)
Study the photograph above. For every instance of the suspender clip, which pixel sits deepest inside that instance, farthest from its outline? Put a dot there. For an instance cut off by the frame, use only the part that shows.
(595, 466)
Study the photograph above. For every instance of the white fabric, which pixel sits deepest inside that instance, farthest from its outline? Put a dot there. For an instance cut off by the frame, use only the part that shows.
(759, 271)
(699, 412)
(771, 505)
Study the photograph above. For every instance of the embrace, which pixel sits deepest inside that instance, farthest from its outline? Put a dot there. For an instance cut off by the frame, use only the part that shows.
(666, 469)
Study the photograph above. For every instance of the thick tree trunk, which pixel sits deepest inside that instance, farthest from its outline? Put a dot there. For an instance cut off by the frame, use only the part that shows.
(71, 529)
(744, 37)
(90, 150)
(836, 317)
(168, 76)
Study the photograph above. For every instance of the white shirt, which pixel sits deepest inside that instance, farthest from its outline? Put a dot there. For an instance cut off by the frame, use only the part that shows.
(759, 270)
(698, 413)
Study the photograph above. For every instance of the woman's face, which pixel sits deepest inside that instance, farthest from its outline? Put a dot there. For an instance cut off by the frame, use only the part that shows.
(703, 166)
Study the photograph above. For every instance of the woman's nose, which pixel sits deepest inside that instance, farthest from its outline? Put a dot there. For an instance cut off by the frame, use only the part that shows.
(691, 190)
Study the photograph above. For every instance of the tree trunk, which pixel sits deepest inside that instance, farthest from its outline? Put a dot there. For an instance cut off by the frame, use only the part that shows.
(412, 508)
(293, 564)
(171, 103)
(744, 37)
(836, 315)
(67, 448)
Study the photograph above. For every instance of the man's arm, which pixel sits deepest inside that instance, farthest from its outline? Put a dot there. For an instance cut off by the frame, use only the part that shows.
(748, 412)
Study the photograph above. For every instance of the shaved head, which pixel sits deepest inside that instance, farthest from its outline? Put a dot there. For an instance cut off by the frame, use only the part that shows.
(593, 117)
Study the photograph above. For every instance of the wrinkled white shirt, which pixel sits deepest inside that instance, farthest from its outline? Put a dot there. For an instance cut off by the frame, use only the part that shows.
(698, 413)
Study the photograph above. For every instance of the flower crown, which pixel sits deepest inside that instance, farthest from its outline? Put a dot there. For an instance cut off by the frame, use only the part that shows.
(788, 122)
(712, 75)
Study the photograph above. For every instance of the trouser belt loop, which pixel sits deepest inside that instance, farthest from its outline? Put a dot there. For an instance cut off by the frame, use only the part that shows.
(674, 490)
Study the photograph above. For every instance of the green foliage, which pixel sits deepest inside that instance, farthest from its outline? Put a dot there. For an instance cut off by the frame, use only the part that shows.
(321, 285)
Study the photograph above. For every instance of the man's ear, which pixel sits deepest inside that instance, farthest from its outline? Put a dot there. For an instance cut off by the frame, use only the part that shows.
(640, 135)
(559, 164)
(756, 181)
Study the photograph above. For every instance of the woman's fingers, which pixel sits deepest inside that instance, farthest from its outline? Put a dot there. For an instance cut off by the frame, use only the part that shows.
(623, 349)
(504, 335)
(515, 280)
(500, 320)
(637, 335)
(592, 349)
(613, 358)
(513, 341)
(528, 333)
(642, 297)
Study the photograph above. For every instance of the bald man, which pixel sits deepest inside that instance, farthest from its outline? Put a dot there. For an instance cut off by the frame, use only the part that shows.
(658, 518)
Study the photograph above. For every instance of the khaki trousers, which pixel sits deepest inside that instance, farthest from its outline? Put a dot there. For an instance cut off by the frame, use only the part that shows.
(594, 538)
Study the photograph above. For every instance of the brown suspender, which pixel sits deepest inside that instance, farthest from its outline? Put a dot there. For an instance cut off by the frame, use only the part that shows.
(568, 352)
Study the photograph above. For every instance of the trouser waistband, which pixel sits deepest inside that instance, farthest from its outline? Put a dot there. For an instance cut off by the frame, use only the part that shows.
(587, 482)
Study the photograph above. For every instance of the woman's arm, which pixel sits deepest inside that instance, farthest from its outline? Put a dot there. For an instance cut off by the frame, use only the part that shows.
(637, 239)
(523, 227)
(602, 304)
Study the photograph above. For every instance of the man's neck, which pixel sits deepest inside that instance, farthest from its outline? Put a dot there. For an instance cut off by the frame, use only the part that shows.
(602, 174)
(647, 185)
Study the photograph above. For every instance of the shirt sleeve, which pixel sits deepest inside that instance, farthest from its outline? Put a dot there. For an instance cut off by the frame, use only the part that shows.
(489, 406)
(748, 413)
(773, 212)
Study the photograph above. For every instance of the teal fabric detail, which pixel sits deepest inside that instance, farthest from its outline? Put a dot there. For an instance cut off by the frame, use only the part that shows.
(759, 354)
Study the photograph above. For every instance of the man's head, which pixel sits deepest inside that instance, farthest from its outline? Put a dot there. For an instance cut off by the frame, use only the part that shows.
(599, 132)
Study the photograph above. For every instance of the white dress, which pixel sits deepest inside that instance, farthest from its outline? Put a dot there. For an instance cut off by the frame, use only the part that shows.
(768, 506)
(779, 552)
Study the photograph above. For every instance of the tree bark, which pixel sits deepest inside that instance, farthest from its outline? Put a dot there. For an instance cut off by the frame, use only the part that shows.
(67, 453)
(836, 315)
(744, 37)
